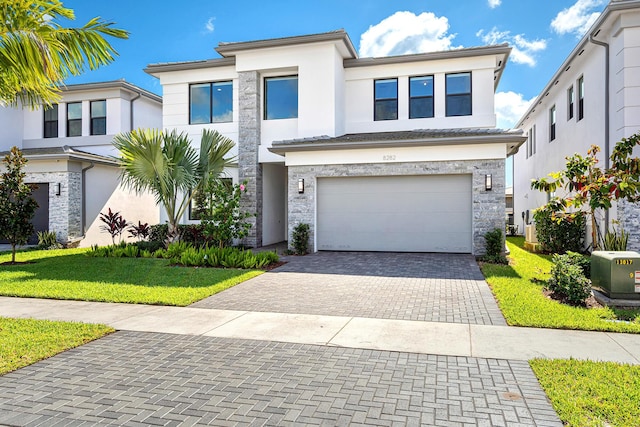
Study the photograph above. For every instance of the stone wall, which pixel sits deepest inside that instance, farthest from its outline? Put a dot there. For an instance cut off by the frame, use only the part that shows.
(249, 169)
(488, 209)
(629, 217)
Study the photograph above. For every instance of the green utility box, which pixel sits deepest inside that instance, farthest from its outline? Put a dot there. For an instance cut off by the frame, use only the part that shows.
(617, 274)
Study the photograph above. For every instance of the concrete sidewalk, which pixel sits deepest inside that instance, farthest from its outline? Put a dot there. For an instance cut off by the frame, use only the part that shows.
(436, 338)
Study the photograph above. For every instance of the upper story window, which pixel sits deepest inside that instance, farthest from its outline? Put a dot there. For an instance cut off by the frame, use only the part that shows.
(570, 103)
(74, 119)
(281, 98)
(386, 99)
(211, 102)
(99, 117)
(458, 88)
(51, 122)
(420, 97)
(552, 123)
(531, 141)
(580, 98)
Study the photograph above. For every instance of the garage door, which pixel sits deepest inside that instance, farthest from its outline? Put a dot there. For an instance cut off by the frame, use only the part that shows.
(395, 213)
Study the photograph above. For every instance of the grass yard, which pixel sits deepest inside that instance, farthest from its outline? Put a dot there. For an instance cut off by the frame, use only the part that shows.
(26, 341)
(521, 300)
(587, 393)
(69, 274)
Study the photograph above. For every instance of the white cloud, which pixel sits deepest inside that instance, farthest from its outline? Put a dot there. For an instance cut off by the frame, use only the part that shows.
(208, 26)
(523, 50)
(510, 107)
(494, 3)
(578, 18)
(404, 33)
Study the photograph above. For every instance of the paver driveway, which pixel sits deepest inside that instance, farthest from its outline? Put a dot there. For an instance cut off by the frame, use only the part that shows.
(427, 287)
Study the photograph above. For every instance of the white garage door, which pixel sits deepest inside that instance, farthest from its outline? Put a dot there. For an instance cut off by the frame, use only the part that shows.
(395, 213)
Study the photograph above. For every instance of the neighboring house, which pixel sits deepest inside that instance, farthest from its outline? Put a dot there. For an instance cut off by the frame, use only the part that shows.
(375, 154)
(508, 197)
(593, 99)
(70, 156)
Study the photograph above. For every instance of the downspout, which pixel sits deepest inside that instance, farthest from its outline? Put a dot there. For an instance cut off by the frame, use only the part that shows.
(84, 198)
(606, 114)
(138, 95)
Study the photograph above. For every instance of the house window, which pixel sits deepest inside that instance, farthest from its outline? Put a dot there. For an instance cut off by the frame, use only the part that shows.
(385, 93)
(580, 98)
(570, 103)
(281, 98)
(196, 202)
(552, 123)
(211, 102)
(74, 119)
(458, 89)
(51, 121)
(99, 117)
(533, 140)
(420, 97)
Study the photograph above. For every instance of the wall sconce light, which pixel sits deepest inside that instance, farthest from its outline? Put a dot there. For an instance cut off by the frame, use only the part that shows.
(58, 189)
(301, 186)
(488, 185)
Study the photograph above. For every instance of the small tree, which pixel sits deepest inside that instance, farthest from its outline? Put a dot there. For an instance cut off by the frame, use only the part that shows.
(17, 207)
(590, 188)
(114, 224)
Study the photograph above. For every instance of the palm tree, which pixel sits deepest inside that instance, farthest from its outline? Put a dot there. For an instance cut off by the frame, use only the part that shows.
(37, 53)
(166, 165)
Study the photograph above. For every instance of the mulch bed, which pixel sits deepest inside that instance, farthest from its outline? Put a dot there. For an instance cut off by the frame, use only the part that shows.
(591, 302)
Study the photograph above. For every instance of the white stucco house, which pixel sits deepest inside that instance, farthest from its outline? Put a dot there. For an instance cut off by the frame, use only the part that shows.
(592, 99)
(375, 154)
(70, 156)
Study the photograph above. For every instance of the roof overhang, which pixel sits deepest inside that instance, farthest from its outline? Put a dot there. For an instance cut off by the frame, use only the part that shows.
(115, 84)
(66, 153)
(189, 65)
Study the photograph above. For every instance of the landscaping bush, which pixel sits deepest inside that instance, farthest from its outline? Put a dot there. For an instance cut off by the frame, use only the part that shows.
(150, 246)
(568, 279)
(190, 233)
(48, 240)
(300, 239)
(494, 245)
(615, 240)
(559, 234)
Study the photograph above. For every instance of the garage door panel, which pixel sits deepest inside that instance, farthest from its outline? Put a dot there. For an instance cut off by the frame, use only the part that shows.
(410, 213)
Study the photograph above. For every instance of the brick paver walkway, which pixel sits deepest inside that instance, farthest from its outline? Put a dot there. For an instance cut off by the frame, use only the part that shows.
(426, 287)
(135, 378)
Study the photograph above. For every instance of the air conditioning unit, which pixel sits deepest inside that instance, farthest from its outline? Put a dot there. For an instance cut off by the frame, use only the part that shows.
(530, 234)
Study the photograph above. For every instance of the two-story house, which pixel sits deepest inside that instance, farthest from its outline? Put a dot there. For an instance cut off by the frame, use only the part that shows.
(375, 154)
(71, 157)
(592, 99)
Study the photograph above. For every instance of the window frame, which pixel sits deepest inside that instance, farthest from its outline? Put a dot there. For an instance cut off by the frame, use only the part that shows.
(449, 96)
(553, 120)
(92, 126)
(211, 101)
(571, 97)
(580, 114)
(429, 98)
(45, 134)
(377, 100)
(69, 121)
(266, 96)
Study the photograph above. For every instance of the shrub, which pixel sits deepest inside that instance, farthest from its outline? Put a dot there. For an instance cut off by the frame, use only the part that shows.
(494, 245)
(150, 246)
(568, 279)
(48, 240)
(158, 233)
(559, 233)
(175, 249)
(140, 231)
(222, 218)
(615, 240)
(584, 262)
(300, 239)
(190, 233)
(114, 224)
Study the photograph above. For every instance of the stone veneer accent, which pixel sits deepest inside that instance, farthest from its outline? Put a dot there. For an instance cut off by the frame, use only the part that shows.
(65, 210)
(629, 217)
(249, 168)
(489, 207)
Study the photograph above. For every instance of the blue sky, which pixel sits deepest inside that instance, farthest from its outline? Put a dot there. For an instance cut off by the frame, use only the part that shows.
(167, 31)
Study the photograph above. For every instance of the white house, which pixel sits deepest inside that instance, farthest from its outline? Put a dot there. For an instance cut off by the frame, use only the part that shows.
(70, 156)
(592, 99)
(383, 154)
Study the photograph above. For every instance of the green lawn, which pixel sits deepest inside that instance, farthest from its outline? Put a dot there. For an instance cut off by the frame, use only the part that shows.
(518, 289)
(69, 274)
(25, 341)
(591, 393)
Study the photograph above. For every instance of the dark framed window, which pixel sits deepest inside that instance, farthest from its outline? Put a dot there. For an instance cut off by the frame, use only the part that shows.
(552, 123)
(580, 98)
(98, 117)
(281, 97)
(385, 94)
(194, 213)
(211, 102)
(74, 119)
(458, 94)
(570, 102)
(420, 97)
(51, 121)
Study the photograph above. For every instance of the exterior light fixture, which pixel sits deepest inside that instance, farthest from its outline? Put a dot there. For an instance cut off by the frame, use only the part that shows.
(301, 186)
(58, 189)
(488, 184)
